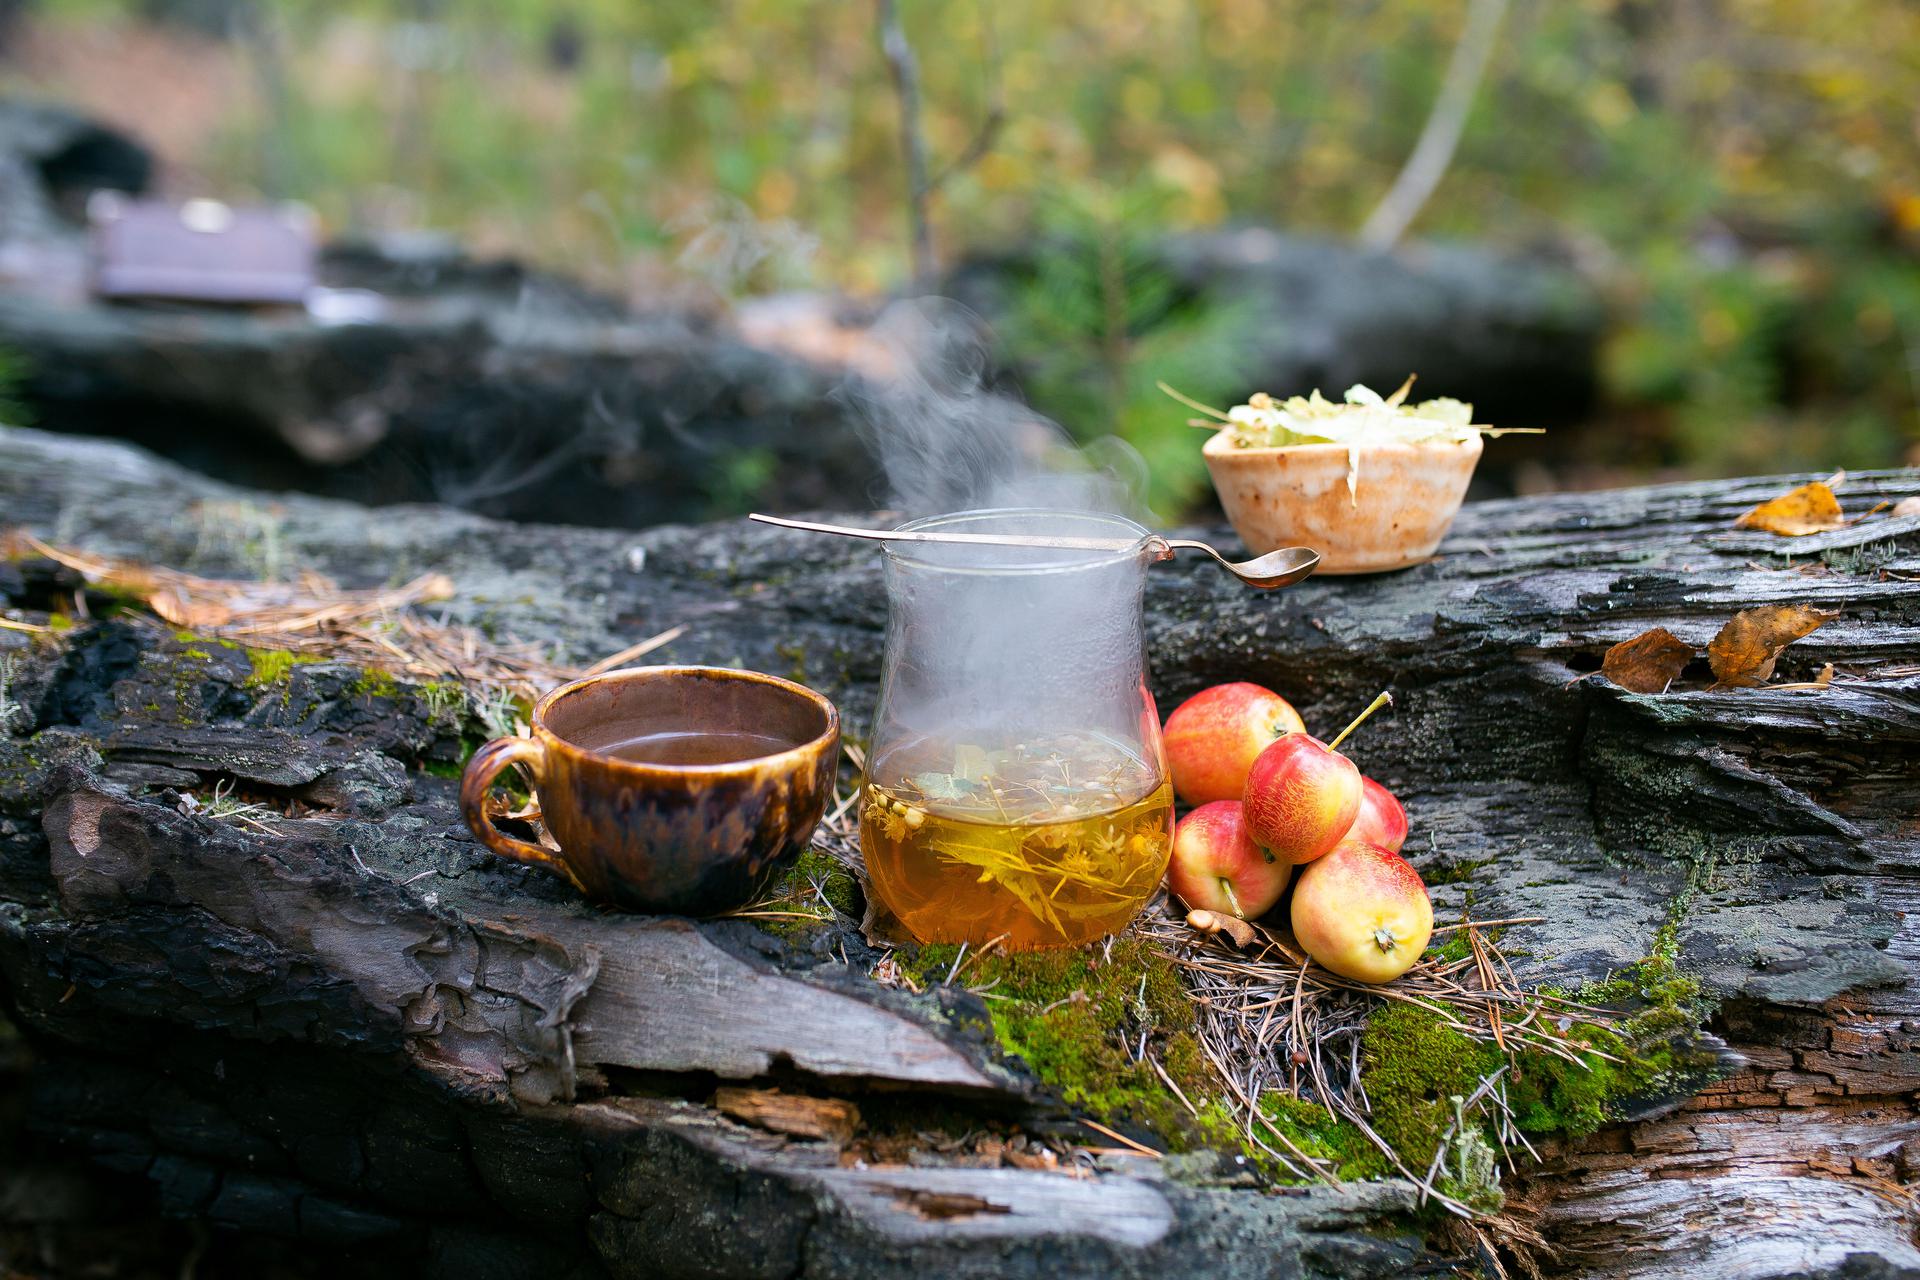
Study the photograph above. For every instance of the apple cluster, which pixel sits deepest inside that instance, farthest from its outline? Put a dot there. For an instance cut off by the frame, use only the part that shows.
(1266, 797)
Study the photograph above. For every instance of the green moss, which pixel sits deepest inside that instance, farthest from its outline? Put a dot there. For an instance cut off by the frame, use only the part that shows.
(195, 638)
(1076, 1016)
(1313, 1131)
(1218, 1128)
(801, 914)
(1655, 1043)
(444, 699)
(60, 622)
(199, 653)
(375, 683)
(271, 666)
(1411, 1063)
(1455, 872)
(835, 881)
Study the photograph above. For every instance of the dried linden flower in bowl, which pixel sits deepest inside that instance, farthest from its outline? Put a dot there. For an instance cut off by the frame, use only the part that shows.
(1361, 419)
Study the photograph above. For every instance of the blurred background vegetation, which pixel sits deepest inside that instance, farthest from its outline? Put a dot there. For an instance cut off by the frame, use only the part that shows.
(1739, 178)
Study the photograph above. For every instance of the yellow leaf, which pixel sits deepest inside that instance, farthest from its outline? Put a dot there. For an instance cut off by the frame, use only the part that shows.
(1744, 652)
(1811, 508)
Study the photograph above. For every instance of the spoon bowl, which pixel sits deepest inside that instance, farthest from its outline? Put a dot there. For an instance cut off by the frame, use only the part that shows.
(1281, 568)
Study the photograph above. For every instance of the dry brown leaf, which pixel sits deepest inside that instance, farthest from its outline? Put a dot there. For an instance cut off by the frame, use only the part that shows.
(1907, 507)
(1744, 652)
(1811, 508)
(1648, 663)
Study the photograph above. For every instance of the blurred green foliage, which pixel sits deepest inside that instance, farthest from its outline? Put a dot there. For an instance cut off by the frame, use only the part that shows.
(1741, 176)
(1098, 324)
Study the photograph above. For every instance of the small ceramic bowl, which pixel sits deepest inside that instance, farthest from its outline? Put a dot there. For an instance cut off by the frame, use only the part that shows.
(1296, 495)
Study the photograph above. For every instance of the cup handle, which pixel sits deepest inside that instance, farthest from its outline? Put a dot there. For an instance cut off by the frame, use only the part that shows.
(485, 766)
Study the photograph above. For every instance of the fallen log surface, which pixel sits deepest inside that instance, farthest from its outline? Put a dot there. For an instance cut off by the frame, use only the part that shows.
(342, 1022)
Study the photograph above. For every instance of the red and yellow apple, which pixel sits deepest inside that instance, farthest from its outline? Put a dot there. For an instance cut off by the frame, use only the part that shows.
(1381, 820)
(1217, 867)
(1302, 795)
(1213, 737)
(1362, 911)
(1301, 798)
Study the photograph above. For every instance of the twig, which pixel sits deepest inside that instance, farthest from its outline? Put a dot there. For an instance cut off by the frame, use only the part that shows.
(632, 651)
(1489, 924)
(904, 70)
(1121, 1138)
(1441, 135)
(1178, 1092)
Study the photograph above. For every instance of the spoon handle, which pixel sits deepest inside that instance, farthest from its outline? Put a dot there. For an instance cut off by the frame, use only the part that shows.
(976, 539)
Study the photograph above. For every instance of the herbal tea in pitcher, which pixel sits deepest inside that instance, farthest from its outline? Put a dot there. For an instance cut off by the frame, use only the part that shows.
(1054, 841)
(1015, 783)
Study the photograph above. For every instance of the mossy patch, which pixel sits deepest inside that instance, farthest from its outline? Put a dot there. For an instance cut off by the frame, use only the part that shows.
(1078, 1017)
(1455, 872)
(1413, 1067)
(1311, 1130)
(794, 909)
(444, 699)
(195, 638)
(375, 683)
(272, 666)
(836, 883)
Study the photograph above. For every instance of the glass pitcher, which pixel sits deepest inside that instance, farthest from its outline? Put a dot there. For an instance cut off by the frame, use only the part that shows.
(1016, 786)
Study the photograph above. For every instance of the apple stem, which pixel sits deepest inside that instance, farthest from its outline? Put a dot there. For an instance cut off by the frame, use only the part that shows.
(1384, 700)
(1232, 897)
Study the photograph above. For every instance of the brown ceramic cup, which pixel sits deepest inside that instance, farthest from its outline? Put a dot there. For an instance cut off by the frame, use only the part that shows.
(692, 839)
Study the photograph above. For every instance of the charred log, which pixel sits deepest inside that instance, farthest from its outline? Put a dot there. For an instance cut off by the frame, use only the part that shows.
(354, 1028)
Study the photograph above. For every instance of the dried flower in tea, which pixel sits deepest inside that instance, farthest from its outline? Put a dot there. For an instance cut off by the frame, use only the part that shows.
(1050, 842)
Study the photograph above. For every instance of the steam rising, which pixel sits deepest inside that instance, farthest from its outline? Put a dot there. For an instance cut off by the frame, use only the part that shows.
(947, 441)
(1049, 644)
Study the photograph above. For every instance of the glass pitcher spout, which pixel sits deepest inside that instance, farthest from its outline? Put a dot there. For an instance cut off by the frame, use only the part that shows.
(1016, 785)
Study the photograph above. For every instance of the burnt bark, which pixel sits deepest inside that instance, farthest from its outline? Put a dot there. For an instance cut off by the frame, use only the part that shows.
(365, 1033)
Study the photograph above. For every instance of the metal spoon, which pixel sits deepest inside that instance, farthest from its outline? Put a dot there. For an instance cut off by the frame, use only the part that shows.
(1279, 568)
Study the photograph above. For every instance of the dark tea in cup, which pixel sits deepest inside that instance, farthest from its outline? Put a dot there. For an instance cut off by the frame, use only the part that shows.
(670, 789)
